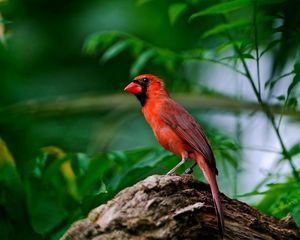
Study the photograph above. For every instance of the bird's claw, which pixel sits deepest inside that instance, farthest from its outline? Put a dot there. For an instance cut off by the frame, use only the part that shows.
(170, 173)
(188, 171)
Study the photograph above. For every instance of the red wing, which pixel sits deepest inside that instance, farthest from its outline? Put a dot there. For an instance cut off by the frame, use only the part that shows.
(185, 126)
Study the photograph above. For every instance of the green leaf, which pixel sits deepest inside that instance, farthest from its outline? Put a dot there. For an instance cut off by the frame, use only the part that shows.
(141, 169)
(114, 50)
(223, 47)
(296, 214)
(197, 53)
(45, 193)
(43, 203)
(225, 148)
(229, 144)
(128, 159)
(230, 157)
(103, 38)
(294, 83)
(271, 45)
(152, 159)
(175, 10)
(295, 150)
(280, 199)
(249, 194)
(12, 201)
(270, 83)
(91, 175)
(141, 61)
(226, 27)
(297, 68)
(222, 8)
(273, 81)
(137, 46)
(281, 98)
(241, 56)
(292, 102)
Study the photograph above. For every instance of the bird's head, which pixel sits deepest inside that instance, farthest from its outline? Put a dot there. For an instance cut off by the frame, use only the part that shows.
(145, 86)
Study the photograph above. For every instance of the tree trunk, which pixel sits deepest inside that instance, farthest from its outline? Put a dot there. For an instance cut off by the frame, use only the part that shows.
(176, 207)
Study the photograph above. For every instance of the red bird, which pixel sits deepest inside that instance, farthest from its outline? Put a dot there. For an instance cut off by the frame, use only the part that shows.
(177, 131)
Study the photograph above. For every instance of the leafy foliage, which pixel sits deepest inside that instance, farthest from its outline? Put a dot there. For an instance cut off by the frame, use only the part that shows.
(144, 52)
(58, 188)
(175, 10)
(281, 199)
(222, 8)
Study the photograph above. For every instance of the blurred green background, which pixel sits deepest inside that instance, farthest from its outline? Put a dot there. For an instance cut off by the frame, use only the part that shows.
(71, 138)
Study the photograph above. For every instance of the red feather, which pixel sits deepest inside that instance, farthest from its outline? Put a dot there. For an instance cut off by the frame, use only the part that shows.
(188, 130)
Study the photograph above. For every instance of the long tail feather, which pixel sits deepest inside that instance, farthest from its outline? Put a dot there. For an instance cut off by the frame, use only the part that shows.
(211, 179)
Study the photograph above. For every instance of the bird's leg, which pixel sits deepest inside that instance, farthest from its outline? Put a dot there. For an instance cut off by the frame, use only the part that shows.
(184, 157)
(190, 169)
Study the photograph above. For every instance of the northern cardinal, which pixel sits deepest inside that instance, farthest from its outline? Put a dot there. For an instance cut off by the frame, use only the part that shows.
(177, 131)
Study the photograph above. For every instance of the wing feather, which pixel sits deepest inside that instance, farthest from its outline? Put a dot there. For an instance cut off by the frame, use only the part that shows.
(185, 126)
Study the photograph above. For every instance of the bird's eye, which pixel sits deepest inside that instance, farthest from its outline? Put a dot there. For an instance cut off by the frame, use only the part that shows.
(145, 80)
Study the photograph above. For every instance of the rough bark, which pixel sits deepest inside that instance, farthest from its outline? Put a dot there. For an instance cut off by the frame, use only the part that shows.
(176, 207)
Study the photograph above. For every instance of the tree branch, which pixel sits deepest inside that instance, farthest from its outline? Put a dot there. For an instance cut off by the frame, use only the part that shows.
(95, 104)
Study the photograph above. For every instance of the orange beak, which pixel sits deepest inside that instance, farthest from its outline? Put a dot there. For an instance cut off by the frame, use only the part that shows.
(133, 88)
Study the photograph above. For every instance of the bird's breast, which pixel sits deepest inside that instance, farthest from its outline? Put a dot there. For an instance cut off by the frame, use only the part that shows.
(164, 134)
